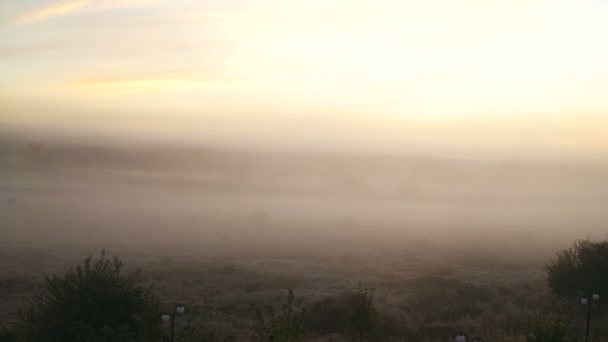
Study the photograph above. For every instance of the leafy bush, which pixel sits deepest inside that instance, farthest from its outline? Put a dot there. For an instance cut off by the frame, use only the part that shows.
(581, 269)
(93, 302)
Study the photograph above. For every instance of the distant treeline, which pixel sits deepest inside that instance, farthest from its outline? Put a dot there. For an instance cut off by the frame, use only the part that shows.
(390, 175)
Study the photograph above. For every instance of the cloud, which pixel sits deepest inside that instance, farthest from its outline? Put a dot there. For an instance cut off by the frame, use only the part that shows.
(67, 7)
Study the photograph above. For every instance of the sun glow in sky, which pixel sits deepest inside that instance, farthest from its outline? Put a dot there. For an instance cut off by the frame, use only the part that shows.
(471, 74)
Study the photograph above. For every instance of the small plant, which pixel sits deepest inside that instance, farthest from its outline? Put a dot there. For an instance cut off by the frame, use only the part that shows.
(363, 315)
(286, 325)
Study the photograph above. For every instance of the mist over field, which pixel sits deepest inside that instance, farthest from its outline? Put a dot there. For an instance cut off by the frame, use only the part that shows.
(225, 198)
(228, 230)
(288, 171)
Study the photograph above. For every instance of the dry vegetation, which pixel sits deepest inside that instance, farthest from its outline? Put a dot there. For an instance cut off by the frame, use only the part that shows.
(452, 249)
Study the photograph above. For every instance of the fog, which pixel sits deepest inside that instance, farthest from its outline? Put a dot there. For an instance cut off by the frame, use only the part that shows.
(227, 229)
(239, 201)
(401, 170)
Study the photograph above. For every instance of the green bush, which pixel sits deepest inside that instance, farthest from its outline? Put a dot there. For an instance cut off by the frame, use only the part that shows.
(93, 302)
(579, 270)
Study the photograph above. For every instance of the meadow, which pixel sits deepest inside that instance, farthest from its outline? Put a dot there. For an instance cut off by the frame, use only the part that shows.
(457, 249)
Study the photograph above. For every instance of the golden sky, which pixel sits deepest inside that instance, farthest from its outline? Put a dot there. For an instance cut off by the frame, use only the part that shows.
(386, 74)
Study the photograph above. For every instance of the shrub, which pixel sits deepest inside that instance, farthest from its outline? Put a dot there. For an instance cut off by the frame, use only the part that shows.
(93, 302)
(581, 269)
(329, 314)
(286, 325)
(363, 314)
(352, 312)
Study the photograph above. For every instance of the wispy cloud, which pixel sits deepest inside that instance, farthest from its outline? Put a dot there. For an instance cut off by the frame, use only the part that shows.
(67, 7)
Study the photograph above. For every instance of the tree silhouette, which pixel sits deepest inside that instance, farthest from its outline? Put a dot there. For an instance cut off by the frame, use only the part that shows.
(580, 270)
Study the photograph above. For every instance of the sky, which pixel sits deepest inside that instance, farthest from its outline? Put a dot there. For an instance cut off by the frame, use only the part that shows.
(468, 77)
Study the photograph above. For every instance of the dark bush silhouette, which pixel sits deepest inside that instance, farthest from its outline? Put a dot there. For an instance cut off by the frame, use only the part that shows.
(93, 302)
(351, 313)
(363, 314)
(330, 314)
(284, 325)
(550, 330)
(580, 270)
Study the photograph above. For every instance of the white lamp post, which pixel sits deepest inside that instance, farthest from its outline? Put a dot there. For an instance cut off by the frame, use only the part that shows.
(585, 301)
(180, 309)
(463, 337)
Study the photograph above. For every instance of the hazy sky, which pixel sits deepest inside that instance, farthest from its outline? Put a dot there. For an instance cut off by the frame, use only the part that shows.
(517, 75)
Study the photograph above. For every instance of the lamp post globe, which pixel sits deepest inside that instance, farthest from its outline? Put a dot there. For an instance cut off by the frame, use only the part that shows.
(584, 300)
(595, 297)
(166, 317)
(460, 337)
(180, 309)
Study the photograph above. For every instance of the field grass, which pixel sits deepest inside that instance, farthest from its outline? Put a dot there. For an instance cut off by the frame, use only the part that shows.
(423, 292)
